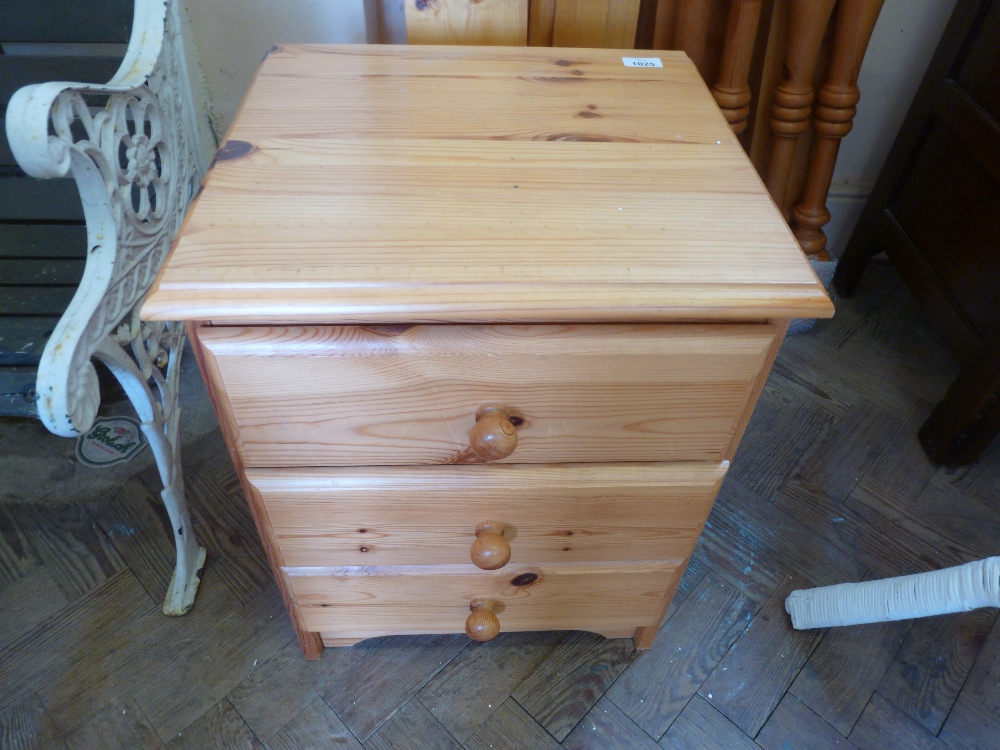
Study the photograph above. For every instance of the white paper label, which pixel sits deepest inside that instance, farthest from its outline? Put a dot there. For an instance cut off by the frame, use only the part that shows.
(642, 62)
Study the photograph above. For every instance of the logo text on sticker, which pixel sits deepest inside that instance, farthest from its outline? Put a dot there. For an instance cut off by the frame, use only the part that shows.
(642, 62)
(111, 440)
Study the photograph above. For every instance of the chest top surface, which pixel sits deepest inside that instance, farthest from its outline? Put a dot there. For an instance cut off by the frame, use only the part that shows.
(377, 184)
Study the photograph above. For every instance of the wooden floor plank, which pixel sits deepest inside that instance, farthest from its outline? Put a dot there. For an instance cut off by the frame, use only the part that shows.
(701, 727)
(574, 677)
(984, 679)
(849, 449)
(918, 546)
(96, 626)
(796, 372)
(476, 683)
(883, 372)
(793, 725)
(284, 685)
(957, 516)
(933, 664)
(870, 530)
(659, 683)
(902, 467)
(846, 667)
(882, 723)
(17, 556)
(220, 728)
(119, 725)
(698, 567)
(387, 677)
(72, 546)
(511, 728)
(26, 726)
(971, 725)
(317, 726)
(751, 679)
(412, 727)
(866, 370)
(233, 643)
(897, 323)
(735, 547)
(226, 529)
(136, 647)
(28, 602)
(883, 313)
(605, 727)
(137, 524)
(783, 428)
(752, 541)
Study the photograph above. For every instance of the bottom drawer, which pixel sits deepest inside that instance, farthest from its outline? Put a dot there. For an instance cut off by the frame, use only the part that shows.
(612, 599)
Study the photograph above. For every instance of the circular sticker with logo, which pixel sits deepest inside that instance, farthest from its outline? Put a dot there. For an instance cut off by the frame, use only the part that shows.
(111, 440)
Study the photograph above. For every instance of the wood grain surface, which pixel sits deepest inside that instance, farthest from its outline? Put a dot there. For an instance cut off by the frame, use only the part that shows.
(658, 685)
(462, 184)
(595, 23)
(466, 22)
(564, 687)
(428, 515)
(481, 677)
(608, 598)
(409, 395)
(767, 655)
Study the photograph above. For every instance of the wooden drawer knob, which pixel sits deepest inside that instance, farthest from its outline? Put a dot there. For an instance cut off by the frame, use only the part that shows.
(482, 623)
(490, 551)
(494, 436)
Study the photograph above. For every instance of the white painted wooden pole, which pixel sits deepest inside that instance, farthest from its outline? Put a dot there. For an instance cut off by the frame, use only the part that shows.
(940, 592)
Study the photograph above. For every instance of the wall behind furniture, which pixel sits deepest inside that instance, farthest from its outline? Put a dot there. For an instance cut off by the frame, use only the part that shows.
(233, 35)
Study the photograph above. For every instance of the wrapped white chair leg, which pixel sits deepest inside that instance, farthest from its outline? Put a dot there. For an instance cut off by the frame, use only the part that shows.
(940, 592)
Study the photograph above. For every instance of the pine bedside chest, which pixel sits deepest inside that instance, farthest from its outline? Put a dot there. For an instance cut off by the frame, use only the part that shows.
(483, 327)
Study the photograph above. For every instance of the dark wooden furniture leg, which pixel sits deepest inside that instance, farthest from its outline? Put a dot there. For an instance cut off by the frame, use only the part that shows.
(935, 210)
(861, 249)
(968, 417)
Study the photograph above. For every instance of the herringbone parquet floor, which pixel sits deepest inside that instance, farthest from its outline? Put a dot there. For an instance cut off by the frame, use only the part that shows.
(830, 485)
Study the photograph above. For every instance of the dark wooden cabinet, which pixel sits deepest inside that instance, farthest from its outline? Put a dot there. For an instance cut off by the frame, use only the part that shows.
(935, 211)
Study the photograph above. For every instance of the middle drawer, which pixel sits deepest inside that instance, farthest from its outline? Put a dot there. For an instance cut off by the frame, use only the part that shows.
(428, 515)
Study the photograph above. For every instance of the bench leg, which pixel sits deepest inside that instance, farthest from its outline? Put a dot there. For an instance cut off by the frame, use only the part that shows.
(190, 557)
(156, 353)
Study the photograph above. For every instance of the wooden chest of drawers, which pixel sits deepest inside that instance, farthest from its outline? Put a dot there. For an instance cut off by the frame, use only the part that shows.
(483, 327)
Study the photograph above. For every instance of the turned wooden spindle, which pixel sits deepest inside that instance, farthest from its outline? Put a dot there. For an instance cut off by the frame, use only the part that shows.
(790, 109)
(691, 29)
(833, 118)
(732, 89)
(663, 24)
(494, 436)
(482, 623)
(490, 551)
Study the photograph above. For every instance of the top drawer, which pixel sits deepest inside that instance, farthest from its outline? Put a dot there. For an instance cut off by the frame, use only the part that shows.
(338, 396)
